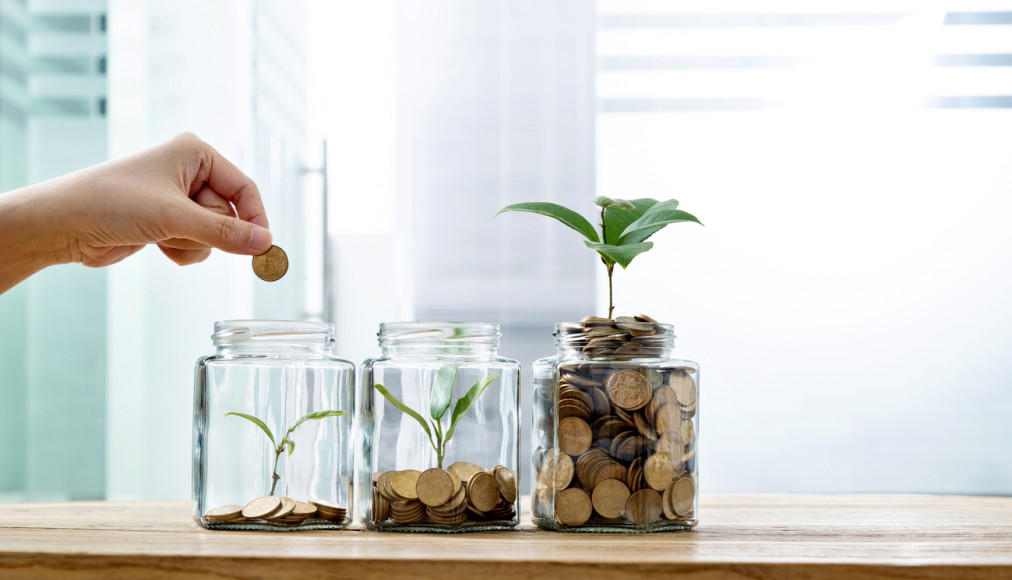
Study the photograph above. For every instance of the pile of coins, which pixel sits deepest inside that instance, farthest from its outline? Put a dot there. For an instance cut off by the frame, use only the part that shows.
(625, 444)
(278, 510)
(621, 337)
(460, 493)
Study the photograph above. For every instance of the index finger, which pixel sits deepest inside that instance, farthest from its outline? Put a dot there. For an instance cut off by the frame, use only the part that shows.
(226, 180)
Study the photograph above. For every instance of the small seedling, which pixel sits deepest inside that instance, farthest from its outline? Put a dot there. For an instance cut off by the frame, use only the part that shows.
(625, 227)
(286, 442)
(439, 402)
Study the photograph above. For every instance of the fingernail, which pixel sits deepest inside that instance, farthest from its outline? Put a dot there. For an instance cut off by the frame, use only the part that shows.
(260, 240)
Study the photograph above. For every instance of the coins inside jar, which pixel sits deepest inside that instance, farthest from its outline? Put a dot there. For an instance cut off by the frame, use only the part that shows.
(463, 493)
(637, 467)
(285, 511)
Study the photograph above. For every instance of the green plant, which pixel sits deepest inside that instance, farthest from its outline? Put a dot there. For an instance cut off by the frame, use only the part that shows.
(439, 402)
(279, 447)
(625, 227)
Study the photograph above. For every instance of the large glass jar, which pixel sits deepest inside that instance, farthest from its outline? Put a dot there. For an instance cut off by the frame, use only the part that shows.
(272, 428)
(615, 428)
(439, 421)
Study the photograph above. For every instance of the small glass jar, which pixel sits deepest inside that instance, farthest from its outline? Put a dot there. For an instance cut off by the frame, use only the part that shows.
(615, 428)
(439, 420)
(272, 428)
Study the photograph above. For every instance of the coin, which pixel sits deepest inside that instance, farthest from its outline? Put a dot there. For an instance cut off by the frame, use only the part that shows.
(464, 470)
(683, 495)
(556, 471)
(573, 507)
(434, 487)
(575, 436)
(609, 498)
(684, 387)
(403, 483)
(224, 513)
(271, 265)
(658, 471)
(261, 507)
(304, 509)
(507, 483)
(643, 507)
(287, 507)
(483, 491)
(628, 389)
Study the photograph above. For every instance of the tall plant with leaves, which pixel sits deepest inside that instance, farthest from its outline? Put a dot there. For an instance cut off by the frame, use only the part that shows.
(286, 441)
(439, 402)
(625, 227)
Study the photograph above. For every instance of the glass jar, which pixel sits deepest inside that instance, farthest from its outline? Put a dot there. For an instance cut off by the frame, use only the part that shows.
(439, 420)
(272, 429)
(615, 427)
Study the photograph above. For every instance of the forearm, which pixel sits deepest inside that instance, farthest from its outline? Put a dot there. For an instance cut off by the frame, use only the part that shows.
(30, 236)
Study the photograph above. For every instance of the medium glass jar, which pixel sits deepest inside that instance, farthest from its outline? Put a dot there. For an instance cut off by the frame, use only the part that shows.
(272, 429)
(439, 421)
(615, 428)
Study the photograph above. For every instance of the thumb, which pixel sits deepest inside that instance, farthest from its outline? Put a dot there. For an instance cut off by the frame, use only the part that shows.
(226, 233)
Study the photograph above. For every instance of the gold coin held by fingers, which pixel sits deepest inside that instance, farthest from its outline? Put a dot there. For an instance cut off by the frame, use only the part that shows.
(271, 265)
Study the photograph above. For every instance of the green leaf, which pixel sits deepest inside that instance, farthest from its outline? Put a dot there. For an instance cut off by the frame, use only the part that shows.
(315, 416)
(609, 202)
(291, 445)
(464, 403)
(622, 255)
(442, 388)
(256, 422)
(405, 409)
(653, 220)
(617, 220)
(563, 214)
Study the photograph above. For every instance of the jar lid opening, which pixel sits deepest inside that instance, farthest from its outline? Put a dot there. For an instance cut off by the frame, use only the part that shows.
(290, 331)
(432, 333)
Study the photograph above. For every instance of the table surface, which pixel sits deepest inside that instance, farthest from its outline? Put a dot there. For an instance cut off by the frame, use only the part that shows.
(740, 536)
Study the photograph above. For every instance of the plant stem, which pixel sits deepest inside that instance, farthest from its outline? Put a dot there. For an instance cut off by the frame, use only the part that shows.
(611, 302)
(440, 450)
(611, 267)
(275, 476)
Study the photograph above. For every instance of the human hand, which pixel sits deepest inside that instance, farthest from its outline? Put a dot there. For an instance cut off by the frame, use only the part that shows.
(182, 195)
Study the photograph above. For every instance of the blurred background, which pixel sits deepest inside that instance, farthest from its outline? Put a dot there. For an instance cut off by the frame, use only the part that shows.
(848, 299)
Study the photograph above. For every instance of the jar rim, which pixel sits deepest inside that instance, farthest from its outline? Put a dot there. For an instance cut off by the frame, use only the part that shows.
(292, 331)
(431, 332)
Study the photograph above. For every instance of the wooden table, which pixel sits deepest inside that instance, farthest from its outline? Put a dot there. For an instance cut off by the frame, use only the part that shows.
(741, 536)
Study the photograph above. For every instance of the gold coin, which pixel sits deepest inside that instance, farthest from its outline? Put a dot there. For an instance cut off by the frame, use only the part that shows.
(684, 387)
(287, 507)
(224, 513)
(271, 265)
(483, 492)
(507, 483)
(403, 483)
(556, 471)
(573, 507)
(304, 509)
(261, 507)
(575, 436)
(658, 471)
(464, 470)
(629, 390)
(434, 487)
(609, 498)
(683, 495)
(668, 419)
(643, 507)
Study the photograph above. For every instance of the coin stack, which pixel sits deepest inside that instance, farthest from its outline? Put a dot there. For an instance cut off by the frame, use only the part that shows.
(625, 445)
(447, 497)
(278, 510)
(621, 337)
